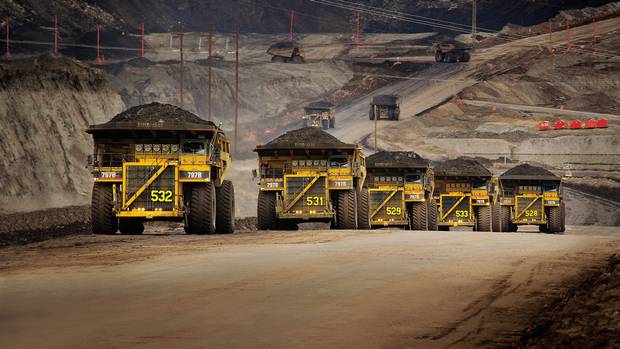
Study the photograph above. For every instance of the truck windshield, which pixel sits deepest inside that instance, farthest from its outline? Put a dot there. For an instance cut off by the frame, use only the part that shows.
(194, 147)
(412, 178)
(550, 187)
(339, 162)
(481, 185)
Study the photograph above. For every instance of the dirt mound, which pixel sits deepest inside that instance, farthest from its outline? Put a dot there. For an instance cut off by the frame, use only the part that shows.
(396, 159)
(585, 317)
(527, 170)
(462, 166)
(24, 228)
(307, 137)
(157, 112)
(245, 224)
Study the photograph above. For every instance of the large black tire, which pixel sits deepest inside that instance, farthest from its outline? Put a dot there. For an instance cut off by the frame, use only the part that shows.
(554, 217)
(432, 215)
(278, 59)
(347, 209)
(102, 215)
(225, 215)
(363, 210)
(563, 209)
(201, 215)
(439, 56)
(501, 219)
(418, 216)
(332, 122)
(483, 218)
(130, 227)
(325, 124)
(371, 114)
(466, 57)
(298, 59)
(266, 210)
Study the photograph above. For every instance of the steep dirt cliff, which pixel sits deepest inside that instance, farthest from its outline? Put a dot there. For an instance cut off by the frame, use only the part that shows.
(45, 104)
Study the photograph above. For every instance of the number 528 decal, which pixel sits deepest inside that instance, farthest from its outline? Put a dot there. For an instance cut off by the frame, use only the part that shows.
(161, 195)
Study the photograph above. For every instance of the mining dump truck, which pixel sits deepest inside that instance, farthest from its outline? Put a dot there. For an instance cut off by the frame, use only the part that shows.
(308, 175)
(158, 162)
(464, 194)
(384, 107)
(399, 191)
(529, 195)
(451, 52)
(319, 114)
(285, 51)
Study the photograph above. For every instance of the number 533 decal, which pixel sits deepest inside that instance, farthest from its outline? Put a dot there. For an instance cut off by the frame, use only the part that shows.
(161, 195)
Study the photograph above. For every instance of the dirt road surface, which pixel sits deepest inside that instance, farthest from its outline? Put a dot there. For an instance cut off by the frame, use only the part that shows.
(308, 289)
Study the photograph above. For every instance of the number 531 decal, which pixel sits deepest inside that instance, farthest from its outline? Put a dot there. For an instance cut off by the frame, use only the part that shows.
(161, 195)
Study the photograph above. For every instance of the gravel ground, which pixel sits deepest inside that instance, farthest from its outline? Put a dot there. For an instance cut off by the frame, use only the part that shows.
(586, 316)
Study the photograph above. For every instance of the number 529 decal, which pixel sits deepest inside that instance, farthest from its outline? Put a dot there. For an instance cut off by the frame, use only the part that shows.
(393, 211)
(161, 195)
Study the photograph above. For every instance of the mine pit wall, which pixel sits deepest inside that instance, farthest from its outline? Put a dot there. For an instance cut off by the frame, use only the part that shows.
(285, 85)
(45, 105)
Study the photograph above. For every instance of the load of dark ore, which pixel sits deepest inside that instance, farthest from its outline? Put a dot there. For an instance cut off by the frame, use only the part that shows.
(528, 170)
(396, 158)
(306, 137)
(461, 167)
(157, 112)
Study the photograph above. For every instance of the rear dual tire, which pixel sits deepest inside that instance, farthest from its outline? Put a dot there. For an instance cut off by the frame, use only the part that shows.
(225, 213)
(483, 218)
(363, 210)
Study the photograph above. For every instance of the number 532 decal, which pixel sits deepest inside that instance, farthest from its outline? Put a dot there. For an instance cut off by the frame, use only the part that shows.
(161, 195)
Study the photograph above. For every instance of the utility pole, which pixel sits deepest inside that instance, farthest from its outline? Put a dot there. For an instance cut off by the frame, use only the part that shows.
(356, 40)
(142, 39)
(569, 35)
(374, 110)
(290, 31)
(474, 22)
(550, 48)
(7, 25)
(98, 58)
(180, 34)
(210, 74)
(55, 34)
(236, 89)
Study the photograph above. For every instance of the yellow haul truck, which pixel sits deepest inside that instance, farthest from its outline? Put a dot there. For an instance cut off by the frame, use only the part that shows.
(463, 191)
(308, 175)
(529, 195)
(158, 162)
(399, 187)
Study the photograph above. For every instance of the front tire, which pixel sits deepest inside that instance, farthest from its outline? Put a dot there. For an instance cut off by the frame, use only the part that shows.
(103, 219)
(225, 215)
(347, 209)
(201, 216)
(432, 215)
(554, 217)
(418, 216)
(266, 210)
(483, 218)
(363, 211)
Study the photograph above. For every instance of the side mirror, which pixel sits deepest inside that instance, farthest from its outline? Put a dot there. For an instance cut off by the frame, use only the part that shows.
(254, 174)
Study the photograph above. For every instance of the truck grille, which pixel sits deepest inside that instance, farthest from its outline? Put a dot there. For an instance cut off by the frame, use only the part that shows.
(315, 199)
(393, 209)
(459, 211)
(533, 213)
(160, 194)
